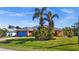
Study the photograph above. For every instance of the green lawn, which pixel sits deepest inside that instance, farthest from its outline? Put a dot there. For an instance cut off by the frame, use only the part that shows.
(29, 44)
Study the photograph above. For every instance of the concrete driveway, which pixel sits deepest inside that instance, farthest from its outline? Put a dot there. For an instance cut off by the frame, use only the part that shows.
(4, 49)
(2, 39)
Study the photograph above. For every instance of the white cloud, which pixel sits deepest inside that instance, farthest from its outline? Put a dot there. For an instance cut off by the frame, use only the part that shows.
(67, 10)
(68, 18)
(15, 14)
(60, 21)
(11, 13)
(27, 23)
(3, 12)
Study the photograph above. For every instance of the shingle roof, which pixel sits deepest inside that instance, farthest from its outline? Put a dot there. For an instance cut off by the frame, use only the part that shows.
(24, 30)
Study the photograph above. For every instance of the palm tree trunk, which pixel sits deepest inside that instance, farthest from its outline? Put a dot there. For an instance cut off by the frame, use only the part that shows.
(50, 30)
(41, 22)
(49, 26)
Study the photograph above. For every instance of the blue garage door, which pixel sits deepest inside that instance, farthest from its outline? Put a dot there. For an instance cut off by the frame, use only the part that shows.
(21, 34)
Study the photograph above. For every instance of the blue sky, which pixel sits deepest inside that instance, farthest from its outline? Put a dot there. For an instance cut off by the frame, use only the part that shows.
(22, 16)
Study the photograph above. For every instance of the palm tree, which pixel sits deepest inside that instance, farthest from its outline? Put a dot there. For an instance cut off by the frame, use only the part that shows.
(40, 34)
(39, 13)
(49, 18)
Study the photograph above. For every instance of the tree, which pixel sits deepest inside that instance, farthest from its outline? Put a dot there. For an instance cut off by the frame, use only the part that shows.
(3, 32)
(39, 13)
(68, 31)
(11, 26)
(17, 27)
(75, 29)
(49, 18)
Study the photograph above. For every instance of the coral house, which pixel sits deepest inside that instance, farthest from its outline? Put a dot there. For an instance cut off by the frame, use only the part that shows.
(19, 32)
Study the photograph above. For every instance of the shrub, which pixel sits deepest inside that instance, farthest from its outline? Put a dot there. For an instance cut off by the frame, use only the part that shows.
(68, 32)
(41, 33)
(51, 34)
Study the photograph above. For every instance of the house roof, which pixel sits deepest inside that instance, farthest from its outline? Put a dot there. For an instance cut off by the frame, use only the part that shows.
(11, 29)
(58, 29)
(23, 29)
(30, 29)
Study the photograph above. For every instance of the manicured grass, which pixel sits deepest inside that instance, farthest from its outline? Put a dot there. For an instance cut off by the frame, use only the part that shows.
(30, 44)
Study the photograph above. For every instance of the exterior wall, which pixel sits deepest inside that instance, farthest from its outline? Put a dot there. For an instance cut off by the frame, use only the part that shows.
(11, 34)
(59, 33)
(29, 33)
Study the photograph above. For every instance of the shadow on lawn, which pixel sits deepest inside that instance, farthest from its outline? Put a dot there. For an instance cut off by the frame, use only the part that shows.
(62, 45)
(18, 41)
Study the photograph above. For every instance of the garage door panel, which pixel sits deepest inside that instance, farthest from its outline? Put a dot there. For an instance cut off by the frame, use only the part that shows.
(21, 34)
